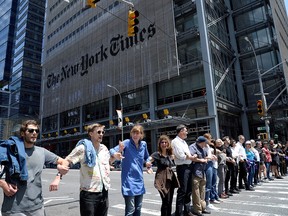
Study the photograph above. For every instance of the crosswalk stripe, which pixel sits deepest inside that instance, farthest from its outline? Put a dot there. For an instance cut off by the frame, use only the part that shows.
(245, 212)
(268, 197)
(143, 210)
(270, 205)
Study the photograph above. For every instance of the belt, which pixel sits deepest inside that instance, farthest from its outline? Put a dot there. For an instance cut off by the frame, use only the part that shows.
(184, 165)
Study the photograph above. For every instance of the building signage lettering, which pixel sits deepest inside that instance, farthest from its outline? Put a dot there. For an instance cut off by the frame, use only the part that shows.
(117, 44)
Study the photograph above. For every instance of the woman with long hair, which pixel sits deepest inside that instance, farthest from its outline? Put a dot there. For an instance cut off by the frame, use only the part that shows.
(165, 179)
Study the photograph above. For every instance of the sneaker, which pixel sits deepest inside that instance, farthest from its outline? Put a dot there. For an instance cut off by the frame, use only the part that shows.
(211, 207)
(215, 201)
(279, 177)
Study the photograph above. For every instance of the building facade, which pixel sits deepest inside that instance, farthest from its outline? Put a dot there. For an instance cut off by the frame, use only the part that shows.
(189, 63)
(21, 34)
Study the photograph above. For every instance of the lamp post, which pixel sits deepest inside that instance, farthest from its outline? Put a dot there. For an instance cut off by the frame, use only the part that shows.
(267, 128)
(121, 106)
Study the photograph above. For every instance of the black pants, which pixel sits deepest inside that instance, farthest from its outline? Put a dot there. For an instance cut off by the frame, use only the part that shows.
(94, 204)
(167, 199)
(184, 192)
(230, 177)
(243, 174)
(256, 177)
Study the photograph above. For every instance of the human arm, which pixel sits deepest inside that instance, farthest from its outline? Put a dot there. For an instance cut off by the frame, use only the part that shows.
(8, 189)
(54, 184)
(116, 152)
(62, 166)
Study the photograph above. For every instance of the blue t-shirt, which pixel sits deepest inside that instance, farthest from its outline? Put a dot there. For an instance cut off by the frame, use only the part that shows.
(132, 167)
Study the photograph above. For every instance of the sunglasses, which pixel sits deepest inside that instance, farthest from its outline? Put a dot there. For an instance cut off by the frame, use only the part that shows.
(101, 132)
(30, 130)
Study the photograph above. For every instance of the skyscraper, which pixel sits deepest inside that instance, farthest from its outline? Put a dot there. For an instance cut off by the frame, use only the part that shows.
(21, 34)
(193, 62)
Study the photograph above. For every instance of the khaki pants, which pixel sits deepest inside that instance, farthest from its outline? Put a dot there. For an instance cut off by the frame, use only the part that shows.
(198, 194)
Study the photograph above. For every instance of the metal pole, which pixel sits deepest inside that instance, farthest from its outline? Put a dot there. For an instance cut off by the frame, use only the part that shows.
(121, 106)
(267, 128)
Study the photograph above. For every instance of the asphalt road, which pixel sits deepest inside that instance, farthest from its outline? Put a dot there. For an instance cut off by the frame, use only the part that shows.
(270, 199)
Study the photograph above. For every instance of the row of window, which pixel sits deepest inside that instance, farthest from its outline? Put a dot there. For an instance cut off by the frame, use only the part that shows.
(80, 28)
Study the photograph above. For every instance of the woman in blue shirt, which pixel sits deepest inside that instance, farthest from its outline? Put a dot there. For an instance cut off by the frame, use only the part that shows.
(134, 155)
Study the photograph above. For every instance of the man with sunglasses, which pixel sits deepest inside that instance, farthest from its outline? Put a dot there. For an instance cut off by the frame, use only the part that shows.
(23, 193)
(94, 172)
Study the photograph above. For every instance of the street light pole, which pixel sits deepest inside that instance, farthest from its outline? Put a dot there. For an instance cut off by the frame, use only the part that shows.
(121, 106)
(263, 97)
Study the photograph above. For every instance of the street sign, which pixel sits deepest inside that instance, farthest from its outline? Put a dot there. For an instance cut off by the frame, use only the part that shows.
(261, 128)
(265, 117)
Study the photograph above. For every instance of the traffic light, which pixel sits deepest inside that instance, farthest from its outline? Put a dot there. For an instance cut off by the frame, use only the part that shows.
(133, 22)
(260, 110)
(91, 3)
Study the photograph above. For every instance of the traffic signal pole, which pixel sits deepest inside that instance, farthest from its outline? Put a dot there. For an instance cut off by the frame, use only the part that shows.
(263, 97)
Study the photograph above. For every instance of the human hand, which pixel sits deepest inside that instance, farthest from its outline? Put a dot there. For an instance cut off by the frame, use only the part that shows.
(149, 170)
(118, 156)
(54, 184)
(203, 160)
(62, 169)
(121, 146)
(149, 167)
(9, 189)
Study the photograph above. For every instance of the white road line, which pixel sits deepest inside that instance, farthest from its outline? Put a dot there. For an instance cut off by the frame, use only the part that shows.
(245, 212)
(143, 210)
(268, 197)
(50, 199)
(250, 203)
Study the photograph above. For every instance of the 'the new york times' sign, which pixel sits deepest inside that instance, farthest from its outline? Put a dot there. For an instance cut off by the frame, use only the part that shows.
(77, 71)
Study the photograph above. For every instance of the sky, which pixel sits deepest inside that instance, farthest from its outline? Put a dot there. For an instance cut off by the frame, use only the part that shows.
(286, 4)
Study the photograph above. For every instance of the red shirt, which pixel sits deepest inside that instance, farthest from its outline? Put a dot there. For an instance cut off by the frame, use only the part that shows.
(267, 155)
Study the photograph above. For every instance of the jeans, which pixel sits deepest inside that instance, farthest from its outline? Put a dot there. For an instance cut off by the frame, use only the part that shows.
(251, 171)
(221, 176)
(209, 174)
(214, 193)
(94, 203)
(267, 164)
(133, 205)
(184, 192)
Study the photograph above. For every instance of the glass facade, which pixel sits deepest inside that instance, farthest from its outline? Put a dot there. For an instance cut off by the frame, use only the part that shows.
(148, 84)
(26, 72)
(7, 26)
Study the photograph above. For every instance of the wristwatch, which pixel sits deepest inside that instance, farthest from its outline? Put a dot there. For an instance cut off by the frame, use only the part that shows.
(59, 174)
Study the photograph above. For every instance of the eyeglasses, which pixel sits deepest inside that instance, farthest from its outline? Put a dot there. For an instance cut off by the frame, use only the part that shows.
(30, 130)
(101, 132)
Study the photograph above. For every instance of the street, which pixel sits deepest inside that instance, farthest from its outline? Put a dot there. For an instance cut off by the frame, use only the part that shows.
(270, 199)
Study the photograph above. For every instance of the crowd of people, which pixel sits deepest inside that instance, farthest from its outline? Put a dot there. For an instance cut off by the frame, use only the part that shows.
(207, 171)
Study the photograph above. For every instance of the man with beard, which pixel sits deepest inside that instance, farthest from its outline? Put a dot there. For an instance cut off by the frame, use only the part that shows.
(22, 187)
